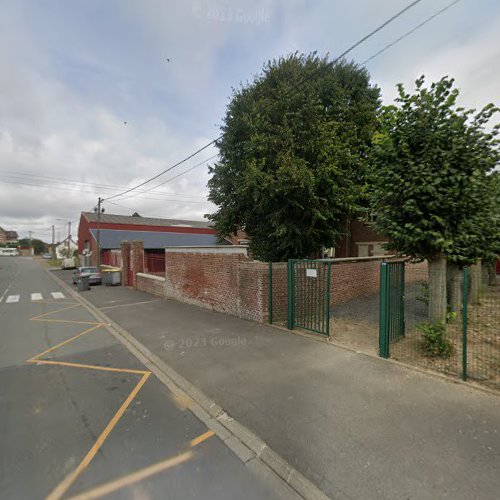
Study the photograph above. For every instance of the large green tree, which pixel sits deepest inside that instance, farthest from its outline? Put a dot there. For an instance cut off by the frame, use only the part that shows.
(432, 181)
(293, 155)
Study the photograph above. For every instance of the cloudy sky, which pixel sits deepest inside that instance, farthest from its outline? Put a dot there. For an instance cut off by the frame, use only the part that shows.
(98, 95)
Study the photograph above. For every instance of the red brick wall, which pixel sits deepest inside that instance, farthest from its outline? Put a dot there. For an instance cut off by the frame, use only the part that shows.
(137, 259)
(229, 283)
(125, 251)
(234, 284)
(351, 280)
(155, 285)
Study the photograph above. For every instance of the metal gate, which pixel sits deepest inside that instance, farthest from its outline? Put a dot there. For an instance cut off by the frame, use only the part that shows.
(392, 308)
(309, 295)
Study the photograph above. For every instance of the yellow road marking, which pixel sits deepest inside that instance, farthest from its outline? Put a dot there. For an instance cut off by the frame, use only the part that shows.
(34, 358)
(200, 439)
(70, 321)
(88, 367)
(135, 477)
(70, 478)
(54, 312)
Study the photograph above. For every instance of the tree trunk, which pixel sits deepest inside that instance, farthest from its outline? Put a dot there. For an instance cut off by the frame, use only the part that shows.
(492, 274)
(454, 274)
(437, 290)
(475, 283)
(484, 275)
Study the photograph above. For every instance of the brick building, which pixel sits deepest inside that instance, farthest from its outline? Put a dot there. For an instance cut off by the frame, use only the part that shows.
(359, 240)
(8, 236)
(156, 234)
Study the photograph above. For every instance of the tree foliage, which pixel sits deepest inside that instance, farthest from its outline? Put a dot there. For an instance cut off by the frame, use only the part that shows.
(293, 155)
(39, 246)
(432, 178)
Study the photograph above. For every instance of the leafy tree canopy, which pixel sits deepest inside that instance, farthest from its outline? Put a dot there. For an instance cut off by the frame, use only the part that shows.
(39, 246)
(293, 155)
(432, 183)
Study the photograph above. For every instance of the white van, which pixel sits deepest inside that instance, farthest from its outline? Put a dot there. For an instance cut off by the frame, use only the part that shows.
(12, 252)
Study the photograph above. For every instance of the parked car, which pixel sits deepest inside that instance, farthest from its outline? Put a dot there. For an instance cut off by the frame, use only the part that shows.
(47, 256)
(92, 272)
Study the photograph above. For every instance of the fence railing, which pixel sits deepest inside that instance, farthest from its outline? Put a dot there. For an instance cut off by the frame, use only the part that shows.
(466, 344)
(392, 320)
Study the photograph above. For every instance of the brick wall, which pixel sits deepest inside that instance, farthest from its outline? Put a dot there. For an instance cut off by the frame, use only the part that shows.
(234, 284)
(350, 280)
(226, 282)
(125, 251)
(155, 285)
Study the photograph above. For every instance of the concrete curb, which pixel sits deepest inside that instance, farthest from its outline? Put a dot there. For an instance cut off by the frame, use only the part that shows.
(251, 450)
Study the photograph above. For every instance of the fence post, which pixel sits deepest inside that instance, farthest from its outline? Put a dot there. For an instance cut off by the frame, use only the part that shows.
(328, 298)
(291, 292)
(383, 337)
(465, 300)
(402, 300)
(271, 293)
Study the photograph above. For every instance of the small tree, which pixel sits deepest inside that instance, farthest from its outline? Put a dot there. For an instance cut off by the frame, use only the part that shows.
(293, 155)
(430, 175)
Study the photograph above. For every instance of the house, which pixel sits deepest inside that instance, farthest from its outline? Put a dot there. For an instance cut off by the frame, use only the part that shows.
(156, 234)
(12, 236)
(359, 240)
(7, 236)
(64, 245)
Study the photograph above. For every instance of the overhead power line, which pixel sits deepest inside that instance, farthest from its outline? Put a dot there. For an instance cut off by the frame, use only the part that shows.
(408, 33)
(164, 171)
(21, 176)
(61, 188)
(172, 178)
(301, 82)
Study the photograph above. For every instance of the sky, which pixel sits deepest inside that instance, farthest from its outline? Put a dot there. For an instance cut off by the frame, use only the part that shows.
(97, 96)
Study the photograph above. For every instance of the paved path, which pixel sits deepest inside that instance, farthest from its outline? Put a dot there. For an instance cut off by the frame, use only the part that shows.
(80, 415)
(358, 427)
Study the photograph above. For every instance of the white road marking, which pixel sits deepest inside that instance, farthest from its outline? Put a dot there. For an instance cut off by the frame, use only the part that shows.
(58, 295)
(12, 299)
(36, 296)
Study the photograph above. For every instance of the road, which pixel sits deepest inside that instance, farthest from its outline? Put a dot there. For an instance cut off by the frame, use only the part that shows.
(82, 418)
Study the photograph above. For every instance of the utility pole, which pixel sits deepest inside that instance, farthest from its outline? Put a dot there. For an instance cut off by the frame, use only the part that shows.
(31, 243)
(99, 231)
(53, 241)
(69, 239)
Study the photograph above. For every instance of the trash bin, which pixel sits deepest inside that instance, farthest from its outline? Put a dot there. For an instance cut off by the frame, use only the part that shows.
(83, 283)
(105, 277)
(111, 276)
(114, 278)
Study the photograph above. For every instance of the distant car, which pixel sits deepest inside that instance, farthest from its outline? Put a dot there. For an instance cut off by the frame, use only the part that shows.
(92, 272)
(47, 256)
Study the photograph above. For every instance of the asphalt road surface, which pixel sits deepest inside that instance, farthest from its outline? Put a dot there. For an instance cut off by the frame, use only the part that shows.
(81, 417)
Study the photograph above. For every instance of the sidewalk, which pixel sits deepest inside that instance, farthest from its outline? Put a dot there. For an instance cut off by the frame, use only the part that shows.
(356, 426)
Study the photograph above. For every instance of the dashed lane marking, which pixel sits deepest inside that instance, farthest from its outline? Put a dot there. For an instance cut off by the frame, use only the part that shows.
(58, 295)
(12, 299)
(36, 296)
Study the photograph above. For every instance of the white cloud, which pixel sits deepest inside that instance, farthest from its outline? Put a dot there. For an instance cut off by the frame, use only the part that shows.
(71, 77)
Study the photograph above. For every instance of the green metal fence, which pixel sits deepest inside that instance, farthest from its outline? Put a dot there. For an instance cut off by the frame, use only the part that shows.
(309, 295)
(466, 345)
(392, 311)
